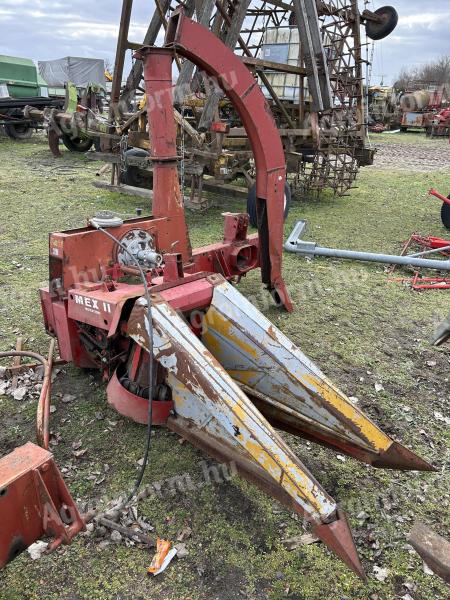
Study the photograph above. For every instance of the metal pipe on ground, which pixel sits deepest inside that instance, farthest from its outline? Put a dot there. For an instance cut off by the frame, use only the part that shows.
(43, 410)
(295, 244)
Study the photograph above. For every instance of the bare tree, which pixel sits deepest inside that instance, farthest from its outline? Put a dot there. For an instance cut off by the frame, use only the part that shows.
(109, 65)
(436, 72)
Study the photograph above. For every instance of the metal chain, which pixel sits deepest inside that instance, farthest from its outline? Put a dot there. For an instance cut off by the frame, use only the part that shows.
(182, 151)
(123, 147)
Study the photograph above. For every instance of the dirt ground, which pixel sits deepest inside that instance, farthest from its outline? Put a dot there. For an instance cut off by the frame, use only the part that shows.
(362, 330)
(411, 152)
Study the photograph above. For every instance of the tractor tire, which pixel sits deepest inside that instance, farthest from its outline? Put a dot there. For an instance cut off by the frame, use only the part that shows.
(378, 31)
(251, 203)
(76, 144)
(18, 132)
(134, 175)
(445, 214)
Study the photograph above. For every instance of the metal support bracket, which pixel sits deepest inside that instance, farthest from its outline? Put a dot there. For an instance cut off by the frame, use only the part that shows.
(36, 501)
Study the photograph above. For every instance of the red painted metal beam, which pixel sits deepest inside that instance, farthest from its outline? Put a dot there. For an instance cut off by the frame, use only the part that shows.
(167, 200)
(435, 193)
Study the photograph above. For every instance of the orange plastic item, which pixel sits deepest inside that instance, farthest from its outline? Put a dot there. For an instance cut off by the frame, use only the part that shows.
(162, 549)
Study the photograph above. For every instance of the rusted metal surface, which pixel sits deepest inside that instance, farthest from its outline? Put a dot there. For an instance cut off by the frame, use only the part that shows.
(433, 548)
(442, 333)
(289, 386)
(128, 532)
(43, 423)
(204, 393)
(84, 256)
(53, 142)
(167, 200)
(226, 372)
(34, 501)
(338, 537)
(16, 362)
(412, 119)
(231, 373)
(135, 407)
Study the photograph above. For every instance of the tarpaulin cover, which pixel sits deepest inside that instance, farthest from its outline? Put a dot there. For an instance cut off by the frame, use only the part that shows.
(80, 71)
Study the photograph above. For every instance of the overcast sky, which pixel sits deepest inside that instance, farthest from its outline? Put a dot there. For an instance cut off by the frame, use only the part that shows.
(48, 29)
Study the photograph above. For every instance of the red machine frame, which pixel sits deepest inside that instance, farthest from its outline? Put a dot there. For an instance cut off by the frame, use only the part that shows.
(76, 295)
(86, 302)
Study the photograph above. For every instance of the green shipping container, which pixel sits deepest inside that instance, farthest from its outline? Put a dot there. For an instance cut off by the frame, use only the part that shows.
(20, 76)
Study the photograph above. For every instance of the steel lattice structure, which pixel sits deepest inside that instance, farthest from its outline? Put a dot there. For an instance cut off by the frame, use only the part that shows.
(335, 138)
(319, 109)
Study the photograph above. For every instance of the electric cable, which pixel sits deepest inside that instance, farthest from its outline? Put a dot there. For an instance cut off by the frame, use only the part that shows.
(150, 365)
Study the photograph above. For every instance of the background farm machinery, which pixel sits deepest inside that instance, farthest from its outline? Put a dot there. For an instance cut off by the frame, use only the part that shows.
(29, 95)
(421, 108)
(22, 85)
(307, 57)
(439, 124)
(382, 109)
(178, 344)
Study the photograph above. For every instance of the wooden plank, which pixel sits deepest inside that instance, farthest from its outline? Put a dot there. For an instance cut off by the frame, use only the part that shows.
(239, 132)
(272, 66)
(280, 4)
(208, 184)
(132, 119)
(135, 75)
(108, 157)
(24, 367)
(103, 169)
(233, 29)
(182, 122)
(16, 362)
(129, 190)
(105, 156)
(231, 190)
(204, 12)
(313, 54)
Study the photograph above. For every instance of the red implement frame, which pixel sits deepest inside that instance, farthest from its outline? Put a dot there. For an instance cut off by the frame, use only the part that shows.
(441, 197)
(417, 282)
(85, 303)
(34, 502)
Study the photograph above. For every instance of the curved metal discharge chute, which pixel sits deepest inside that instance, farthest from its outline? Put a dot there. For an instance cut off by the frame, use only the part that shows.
(206, 51)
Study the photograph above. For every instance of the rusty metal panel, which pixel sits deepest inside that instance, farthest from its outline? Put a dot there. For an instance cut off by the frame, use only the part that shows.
(433, 548)
(411, 119)
(204, 393)
(288, 385)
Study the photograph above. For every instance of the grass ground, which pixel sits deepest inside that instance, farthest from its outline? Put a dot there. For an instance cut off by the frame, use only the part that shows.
(361, 329)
